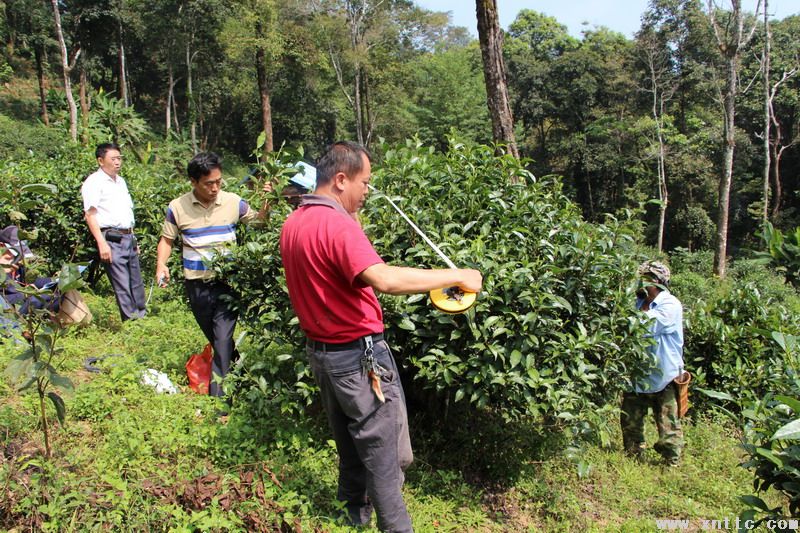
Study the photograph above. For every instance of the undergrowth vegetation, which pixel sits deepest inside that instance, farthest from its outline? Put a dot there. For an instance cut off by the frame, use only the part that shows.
(128, 458)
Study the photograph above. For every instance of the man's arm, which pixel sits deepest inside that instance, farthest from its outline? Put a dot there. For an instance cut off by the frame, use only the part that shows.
(94, 227)
(265, 208)
(162, 255)
(404, 280)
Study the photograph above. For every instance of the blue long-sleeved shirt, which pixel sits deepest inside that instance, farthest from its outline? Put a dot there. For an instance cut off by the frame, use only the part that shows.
(666, 327)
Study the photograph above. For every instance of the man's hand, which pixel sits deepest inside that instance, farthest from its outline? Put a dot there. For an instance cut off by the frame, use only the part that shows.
(162, 275)
(104, 250)
(268, 187)
(472, 280)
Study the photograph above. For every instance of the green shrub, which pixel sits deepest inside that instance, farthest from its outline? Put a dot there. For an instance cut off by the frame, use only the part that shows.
(783, 252)
(20, 140)
(553, 334)
(728, 326)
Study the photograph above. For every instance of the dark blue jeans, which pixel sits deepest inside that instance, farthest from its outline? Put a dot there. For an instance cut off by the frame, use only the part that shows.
(371, 437)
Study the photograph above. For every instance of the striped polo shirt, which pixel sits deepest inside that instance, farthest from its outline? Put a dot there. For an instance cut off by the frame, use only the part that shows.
(205, 232)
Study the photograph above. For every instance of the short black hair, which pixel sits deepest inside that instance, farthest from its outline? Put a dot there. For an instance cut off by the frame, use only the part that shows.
(342, 156)
(202, 164)
(105, 147)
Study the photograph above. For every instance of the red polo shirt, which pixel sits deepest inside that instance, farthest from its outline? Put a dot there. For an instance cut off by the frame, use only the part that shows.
(323, 251)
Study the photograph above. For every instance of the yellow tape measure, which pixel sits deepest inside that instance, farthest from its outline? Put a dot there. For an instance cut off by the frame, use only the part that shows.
(452, 300)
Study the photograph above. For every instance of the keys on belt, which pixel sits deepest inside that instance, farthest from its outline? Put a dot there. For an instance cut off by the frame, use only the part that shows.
(372, 369)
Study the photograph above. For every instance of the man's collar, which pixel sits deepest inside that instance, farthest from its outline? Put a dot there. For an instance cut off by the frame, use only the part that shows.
(318, 199)
(218, 201)
(660, 297)
(107, 175)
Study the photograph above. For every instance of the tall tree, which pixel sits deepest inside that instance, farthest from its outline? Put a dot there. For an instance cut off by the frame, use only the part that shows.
(252, 39)
(655, 43)
(534, 44)
(783, 106)
(490, 36)
(31, 29)
(66, 67)
(660, 88)
(732, 38)
(765, 68)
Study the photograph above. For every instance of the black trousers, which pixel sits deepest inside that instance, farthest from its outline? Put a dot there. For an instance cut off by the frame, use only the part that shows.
(217, 320)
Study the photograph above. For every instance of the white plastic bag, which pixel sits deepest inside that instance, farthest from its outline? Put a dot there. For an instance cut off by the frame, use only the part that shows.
(158, 380)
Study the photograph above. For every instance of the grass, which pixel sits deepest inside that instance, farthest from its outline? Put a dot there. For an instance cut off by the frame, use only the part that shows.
(130, 459)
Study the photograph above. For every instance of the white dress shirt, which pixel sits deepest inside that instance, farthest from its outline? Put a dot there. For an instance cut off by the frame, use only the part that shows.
(110, 197)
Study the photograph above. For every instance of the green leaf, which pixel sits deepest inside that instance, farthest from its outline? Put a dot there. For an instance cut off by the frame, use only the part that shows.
(754, 501)
(69, 278)
(459, 394)
(40, 188)
(262, 138)
(560, 302)
(516, 357)
(793, 403)
(61, 409)
(770, 456)
(62, 382)
(19, 367)
(717, 395)
(790, 431)
(407, 324)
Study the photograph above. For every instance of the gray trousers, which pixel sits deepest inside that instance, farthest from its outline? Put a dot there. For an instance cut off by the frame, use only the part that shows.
(371, 437)
(126, 277)
(217, 320)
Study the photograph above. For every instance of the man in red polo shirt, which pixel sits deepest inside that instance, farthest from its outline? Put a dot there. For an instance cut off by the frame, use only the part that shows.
(331, 271)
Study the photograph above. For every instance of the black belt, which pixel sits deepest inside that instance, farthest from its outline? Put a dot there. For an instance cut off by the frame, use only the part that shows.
(125, 231)
(357, 344)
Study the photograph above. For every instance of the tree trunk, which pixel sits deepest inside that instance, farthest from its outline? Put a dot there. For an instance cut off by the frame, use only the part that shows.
(767, 117)
(491, 40)
(368, 114)
(658, 117)
(357, 106)
(168, 110)
(37, 51)
(190, 101)
(723, 202)
(175, 119)
(731, 39)
(73, 110)
(263, 91)
(776, 179)
(84, 108)
(123, 81)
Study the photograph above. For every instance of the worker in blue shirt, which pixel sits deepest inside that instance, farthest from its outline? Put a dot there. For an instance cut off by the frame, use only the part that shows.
(664, 314)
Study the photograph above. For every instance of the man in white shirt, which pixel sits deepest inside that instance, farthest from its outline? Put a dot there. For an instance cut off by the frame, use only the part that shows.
(108, 210)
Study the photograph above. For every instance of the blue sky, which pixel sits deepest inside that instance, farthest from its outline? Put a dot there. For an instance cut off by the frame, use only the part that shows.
(619, 15)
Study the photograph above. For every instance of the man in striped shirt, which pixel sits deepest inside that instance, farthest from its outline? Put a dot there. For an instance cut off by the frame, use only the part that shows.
(206, 219)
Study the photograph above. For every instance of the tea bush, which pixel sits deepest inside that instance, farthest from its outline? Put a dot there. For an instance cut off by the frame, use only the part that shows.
(729, 325)
(553, 335)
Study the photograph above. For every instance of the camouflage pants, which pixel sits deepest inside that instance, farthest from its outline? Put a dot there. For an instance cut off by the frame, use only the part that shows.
(665, 410)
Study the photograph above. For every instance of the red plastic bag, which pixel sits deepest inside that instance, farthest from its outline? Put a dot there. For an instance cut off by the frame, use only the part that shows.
(198, 368)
